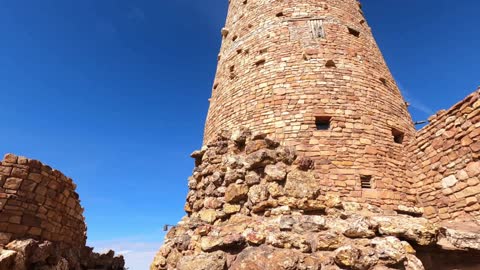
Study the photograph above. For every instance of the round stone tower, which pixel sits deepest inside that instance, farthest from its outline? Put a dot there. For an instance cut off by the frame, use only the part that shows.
(39, 202)
(310, 74)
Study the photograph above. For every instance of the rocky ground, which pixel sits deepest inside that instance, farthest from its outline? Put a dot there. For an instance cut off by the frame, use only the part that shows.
(254, 204)
(44, 255)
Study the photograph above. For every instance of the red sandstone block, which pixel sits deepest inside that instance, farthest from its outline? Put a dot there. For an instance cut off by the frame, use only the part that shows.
(5, 170)
(10, 158)
(475, 147)
(473, 169)
(12, 183)
(19, 172)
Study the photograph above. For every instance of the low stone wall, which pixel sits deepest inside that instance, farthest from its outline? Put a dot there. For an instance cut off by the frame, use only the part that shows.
(38, 202)
(445, 160)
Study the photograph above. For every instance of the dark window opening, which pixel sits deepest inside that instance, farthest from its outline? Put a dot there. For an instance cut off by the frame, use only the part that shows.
(384, 81)
(354, 32)
(330, 64)
(234, 38)
(260, 62)
(323, 122)
(366, 181)
(398, 136)
(279, 14)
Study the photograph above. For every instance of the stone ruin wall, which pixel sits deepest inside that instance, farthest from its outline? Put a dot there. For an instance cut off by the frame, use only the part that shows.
(445, 163)
(38, 202)
(275, 77)
(255, 205)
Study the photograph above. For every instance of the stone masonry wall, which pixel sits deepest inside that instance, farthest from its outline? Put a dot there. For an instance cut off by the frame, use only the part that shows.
(255, 205)
(38, 202)
(284, 65)
(445, 162)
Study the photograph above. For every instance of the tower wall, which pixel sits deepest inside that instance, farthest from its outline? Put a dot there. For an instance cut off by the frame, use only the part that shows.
(445, 162)
(38, 202)
(283, 65)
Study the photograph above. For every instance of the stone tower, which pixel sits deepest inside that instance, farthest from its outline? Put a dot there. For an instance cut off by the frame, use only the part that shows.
(310, 74)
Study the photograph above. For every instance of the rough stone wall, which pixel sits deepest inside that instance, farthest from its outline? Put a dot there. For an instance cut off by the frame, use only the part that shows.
(283, 64)
(445, 162)
(255, 205)
(38, 202)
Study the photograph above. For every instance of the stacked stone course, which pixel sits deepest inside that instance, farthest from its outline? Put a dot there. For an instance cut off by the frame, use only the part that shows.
(445, 163)
(38, 202)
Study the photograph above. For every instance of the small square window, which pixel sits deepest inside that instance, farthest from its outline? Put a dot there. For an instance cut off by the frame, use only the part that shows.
(398, 136)
(366, 181)
(323, 122)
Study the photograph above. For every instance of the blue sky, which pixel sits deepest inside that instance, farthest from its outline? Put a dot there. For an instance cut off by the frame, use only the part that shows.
(114, 94)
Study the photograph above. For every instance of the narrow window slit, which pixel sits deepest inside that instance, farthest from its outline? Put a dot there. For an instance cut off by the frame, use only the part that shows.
(323, 122)
(383, 80)
(366, 181)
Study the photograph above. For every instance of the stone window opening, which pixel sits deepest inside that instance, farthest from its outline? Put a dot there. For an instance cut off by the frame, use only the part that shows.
(316, 27)
(398, 136)
(366, 181)
(260, 62)
(279, 14)
(383, 80)
(354, 32)
(323, 122)
(330, 64)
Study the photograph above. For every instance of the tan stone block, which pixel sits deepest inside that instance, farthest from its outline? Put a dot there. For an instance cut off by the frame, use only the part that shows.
(19, 172)
(473, 169)
(473, 182)
(36, 177)
(471, 201)
(12, 183)
(5, 170)
(10, 158)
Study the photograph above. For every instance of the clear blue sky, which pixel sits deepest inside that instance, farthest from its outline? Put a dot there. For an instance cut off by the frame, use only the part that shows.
(114, 93)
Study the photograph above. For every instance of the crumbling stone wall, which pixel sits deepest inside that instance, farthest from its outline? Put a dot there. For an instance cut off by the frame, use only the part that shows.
(254, 205)
(284, 65)
(38, 202)
(445, 162)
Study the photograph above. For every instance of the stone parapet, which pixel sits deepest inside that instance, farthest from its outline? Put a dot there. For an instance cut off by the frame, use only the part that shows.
(445, 162)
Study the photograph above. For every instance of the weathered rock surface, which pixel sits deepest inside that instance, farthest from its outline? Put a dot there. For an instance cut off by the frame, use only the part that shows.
(266, 211)
(31, 254)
